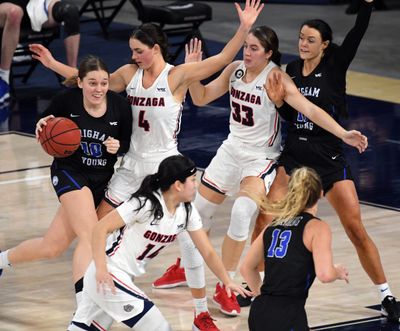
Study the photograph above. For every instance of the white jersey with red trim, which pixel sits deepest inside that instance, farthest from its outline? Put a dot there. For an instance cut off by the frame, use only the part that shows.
(254, 119)
(142, 238)
(156, 116)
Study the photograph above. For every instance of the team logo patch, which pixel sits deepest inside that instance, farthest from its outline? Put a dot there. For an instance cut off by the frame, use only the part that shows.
(128, 308)
(55, 180)
(239, 73)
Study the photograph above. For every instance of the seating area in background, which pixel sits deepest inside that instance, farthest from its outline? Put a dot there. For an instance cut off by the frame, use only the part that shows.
(23, 65)
(180, 20)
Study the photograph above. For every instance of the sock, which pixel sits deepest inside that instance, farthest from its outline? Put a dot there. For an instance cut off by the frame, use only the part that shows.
(5, 75)
(4, 259)
(200, 305)
(384, 290)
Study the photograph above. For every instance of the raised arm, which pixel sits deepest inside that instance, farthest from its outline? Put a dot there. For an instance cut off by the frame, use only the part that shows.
(204, 94)
(42, 54)
(190, 72)
(214, 262)
(278, 79)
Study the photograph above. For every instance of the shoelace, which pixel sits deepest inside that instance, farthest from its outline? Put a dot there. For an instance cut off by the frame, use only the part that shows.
(207, 320)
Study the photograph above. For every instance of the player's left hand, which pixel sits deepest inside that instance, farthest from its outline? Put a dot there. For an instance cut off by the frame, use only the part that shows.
(356, 139)
(112, 145)
(193, 52)
(233, 287)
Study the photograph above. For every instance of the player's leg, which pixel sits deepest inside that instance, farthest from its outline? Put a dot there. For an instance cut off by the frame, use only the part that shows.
(343, 197)
(10, 21)
(56, 240)
(68, 14)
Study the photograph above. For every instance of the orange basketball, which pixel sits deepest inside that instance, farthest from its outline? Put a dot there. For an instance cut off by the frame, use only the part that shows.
(61, 137)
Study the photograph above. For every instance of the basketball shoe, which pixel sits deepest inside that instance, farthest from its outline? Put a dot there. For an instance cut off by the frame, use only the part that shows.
(4, 90)
(204, 322)
(227, 305)
(174, 276)
(244, 301)
(390, 309)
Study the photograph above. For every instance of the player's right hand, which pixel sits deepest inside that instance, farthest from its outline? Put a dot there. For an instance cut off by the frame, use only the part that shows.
(40, 123)
(42, 54)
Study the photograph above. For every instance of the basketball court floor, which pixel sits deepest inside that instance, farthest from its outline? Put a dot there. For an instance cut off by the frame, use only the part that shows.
(40, 296)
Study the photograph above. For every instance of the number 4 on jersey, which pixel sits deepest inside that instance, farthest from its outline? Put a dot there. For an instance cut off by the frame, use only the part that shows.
(142, 122)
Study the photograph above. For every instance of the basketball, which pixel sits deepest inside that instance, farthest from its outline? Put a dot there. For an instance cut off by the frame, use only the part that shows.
(60, 137)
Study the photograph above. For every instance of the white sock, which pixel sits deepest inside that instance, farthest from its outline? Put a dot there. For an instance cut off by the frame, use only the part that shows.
(4, 260)
(384, 290)
(5, 75)
(200, 305)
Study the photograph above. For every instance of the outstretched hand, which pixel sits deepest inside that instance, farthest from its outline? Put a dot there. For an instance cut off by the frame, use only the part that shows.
(42, 54)
(249, 14)
(193, 52)
(356, 139)
(233, 287)
(275, 88)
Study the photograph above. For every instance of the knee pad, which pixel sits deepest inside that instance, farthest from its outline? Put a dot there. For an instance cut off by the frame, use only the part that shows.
(69, 14)
(242, 211)
(206, 210)
(192, 261)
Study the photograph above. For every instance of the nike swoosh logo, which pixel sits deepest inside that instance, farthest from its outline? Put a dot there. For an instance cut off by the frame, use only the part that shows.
(74, 115)
(385, 289)
(292, 77)
(334, 157)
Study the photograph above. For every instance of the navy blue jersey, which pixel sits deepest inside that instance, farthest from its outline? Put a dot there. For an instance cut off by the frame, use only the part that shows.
(92, 155)
(289, 265)
(326, 85)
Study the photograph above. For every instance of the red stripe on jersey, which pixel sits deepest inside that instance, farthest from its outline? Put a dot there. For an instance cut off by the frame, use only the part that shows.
(270, 164)
(128, 287)
(274, 135)
(97, 325)
(209, 182)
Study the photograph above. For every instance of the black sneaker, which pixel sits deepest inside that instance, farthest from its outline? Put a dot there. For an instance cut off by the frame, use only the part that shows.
(390, 309)
(244, 301)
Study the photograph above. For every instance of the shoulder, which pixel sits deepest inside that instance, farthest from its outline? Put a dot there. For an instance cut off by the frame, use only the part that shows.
(317, 226)
(127, 71)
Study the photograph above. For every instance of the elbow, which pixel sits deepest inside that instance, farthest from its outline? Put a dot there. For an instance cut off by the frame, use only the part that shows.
(326, 277)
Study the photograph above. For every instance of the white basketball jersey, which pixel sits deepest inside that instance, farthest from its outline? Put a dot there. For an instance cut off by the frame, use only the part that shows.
(133, 246)
(156, 116)
(254, 119)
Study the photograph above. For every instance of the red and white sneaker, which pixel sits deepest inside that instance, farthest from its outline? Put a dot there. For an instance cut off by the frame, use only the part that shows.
(204, 322)
(174, 276)
(227, 305)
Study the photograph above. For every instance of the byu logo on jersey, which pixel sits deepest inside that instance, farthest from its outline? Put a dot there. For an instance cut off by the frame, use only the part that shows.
(55, 180)
(128, 308)
(239, 73)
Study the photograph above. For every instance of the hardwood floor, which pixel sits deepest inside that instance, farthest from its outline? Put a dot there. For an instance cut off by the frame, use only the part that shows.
(39, 295)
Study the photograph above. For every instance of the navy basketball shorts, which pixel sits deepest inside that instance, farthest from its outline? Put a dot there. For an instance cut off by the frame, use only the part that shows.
(277, 314)
(327, 159)
(67, 180)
